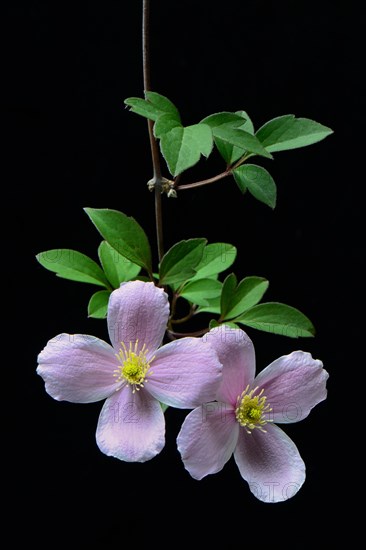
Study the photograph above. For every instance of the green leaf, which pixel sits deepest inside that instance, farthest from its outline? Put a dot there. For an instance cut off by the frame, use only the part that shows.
(153, 106)
(213, 306)
(179, 263)
(228, 290)
(216, 258)
(182, 147)
(230, 153)
(124, 234)
(142, 107)
(287, 132)
(240, 138)
(225, 117)
(164, 124)
(199, 292)
(117, 268)
(258, 181)
(248, 125)
(248, 293)
(72, 265)
(163, 104)
(98, 304)
(278, 319)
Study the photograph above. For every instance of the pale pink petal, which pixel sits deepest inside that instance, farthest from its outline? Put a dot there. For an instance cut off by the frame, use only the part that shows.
(138, 311)
(207, 438)
(184, 374)
(293, 385)
(270, 463)
(236, 353)
(131, 426)
(78, 368)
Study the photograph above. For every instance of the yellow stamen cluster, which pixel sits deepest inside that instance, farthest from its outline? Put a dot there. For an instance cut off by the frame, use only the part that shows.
(134, 366)
(251, 409)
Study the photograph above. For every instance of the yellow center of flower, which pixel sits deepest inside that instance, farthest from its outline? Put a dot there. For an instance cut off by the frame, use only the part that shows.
(134, 366)
(251, 410)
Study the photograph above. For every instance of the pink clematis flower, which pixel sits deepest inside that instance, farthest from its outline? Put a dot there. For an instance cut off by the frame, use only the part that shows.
(133, 375)
(241, 421)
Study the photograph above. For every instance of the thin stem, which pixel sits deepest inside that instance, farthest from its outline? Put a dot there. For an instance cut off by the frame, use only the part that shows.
(157, 179)
(229, 170)
(159, 221)
(203, 182)
(185, 318)
(173, 306)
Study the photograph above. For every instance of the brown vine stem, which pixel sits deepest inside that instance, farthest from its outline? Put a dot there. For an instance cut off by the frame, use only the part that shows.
(203, 182)
(157, 179)
(220, 176)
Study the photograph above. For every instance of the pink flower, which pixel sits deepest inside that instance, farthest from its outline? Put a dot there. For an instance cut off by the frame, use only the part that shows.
(241, 421)
(133, 375)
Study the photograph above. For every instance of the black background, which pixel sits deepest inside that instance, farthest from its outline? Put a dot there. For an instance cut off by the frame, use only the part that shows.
(70, 143)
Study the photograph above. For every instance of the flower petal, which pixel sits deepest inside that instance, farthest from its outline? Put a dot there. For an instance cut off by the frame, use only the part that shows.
(131, 426)
(207, 438)
(293, 385)
(185, 373)
(236, 353)
(270, 463)
(138, 311)
(78, 368)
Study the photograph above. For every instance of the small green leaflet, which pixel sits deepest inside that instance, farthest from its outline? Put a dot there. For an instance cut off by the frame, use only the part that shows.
(212, 307)
(124, 234)
(164, 124)
(277, 318)
(244, 296)
(117, 268)
(182, 147)
(98, 304)
(287, 132)
(225, 117)
(73, 265)
(228, 290)
(163, 103)
(258, 181)
(232, 145)
(142, 107)
(241, 139)
(229, 152)
(179, 262)
(216, 258)
(153, 106)
(199, 292)
(248, 125)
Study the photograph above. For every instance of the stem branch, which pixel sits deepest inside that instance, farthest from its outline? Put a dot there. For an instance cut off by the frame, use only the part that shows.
(203, 182)
(229, 170)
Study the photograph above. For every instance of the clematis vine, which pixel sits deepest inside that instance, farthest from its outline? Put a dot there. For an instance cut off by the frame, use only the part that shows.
(242, 421)
(134, 375)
